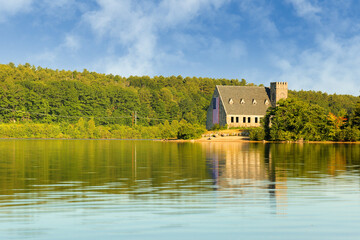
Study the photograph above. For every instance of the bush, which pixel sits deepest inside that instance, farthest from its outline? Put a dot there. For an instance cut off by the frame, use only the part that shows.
(189, 131)
(352, 134)
(294, 120)
(83, 130)
(218, 127)
(257, 134)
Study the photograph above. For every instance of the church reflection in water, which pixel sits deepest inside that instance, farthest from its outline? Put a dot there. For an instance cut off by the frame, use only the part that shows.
(247, 169)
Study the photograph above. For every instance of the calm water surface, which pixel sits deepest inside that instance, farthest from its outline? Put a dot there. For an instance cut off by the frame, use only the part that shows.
(79, 189)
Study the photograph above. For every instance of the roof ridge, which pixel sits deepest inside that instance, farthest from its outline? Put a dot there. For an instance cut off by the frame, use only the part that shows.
(261, 94)
(220, 96)
(240, 86)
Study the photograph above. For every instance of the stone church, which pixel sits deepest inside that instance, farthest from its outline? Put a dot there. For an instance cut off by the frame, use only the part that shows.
(243, 106)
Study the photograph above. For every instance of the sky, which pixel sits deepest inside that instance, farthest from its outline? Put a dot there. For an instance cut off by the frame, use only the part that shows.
(311, 44)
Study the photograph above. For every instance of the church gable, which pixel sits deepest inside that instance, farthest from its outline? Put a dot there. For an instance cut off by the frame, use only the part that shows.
(245, 100)
(243, 106)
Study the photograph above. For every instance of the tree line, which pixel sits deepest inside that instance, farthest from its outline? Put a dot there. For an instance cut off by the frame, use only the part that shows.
(37, 97)
(44, 95)
(89, 130)
(294, 120)
(337, 104)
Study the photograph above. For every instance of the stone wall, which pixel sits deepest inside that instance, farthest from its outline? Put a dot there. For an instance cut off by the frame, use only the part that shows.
(278, 90)
(222, 114)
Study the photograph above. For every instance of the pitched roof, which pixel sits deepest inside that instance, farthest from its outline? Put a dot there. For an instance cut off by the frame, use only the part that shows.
(248, 94)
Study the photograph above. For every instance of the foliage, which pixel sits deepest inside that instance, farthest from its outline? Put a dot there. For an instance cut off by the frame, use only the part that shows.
(355, 116)
(295, 120)
(257, 134)
(93, 105)
(188, 131)
(351, 134)
(88, 130)
(334, 103)
(43, 95)
(218, 127)
(337, 121)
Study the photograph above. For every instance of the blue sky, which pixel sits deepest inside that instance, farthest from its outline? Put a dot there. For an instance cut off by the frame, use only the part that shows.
(312, 44)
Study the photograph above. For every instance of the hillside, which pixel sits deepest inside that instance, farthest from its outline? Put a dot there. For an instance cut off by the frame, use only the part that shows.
(43, 95)
(334, 103)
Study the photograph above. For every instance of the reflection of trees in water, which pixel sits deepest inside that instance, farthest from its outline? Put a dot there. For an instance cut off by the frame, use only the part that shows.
(244, 167)
(147, 168)
(315, 160)
(236, 161)
(132, 167)
(270, 161)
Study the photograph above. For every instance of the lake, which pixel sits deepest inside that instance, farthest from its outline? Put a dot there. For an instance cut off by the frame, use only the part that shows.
(113, 189)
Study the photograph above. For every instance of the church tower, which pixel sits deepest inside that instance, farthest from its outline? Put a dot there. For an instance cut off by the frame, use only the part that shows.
(278, 90)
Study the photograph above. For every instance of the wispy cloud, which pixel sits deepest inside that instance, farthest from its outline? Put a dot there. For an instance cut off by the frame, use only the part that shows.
(259, 13)
(310, 43)
(134, 27)
(10, 8)
(305, 8)
(68, 48)
(331, 66)
(330, 62)
(71, 42)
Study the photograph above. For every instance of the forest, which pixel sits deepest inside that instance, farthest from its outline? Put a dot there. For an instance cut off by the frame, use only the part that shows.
(339, 105)
(38, 102)
(44, 95)
(41, 102)
(294, 120)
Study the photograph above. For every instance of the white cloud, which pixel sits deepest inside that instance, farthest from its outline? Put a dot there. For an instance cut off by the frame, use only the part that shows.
(71, 42)
(45, 58)
(10, 8)
(58, 8)
(67, 48)
(173, 12)
(331, 66)
(58, 3)
(304, 8)
(61, 10)
(259, 12)
(135, 27)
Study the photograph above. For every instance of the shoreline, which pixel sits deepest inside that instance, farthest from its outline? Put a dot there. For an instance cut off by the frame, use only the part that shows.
(244, 139)
(226, 139)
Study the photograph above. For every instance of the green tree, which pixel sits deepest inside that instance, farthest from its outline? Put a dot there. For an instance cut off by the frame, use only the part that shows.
(294, 120)
(355, 119)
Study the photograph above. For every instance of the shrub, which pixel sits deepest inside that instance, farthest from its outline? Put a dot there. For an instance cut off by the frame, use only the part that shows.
(257, 134)
(352, 134)
(189, 131)
(218, 127)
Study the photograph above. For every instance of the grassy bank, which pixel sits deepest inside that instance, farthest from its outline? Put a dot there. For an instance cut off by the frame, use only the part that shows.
(88, 130)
